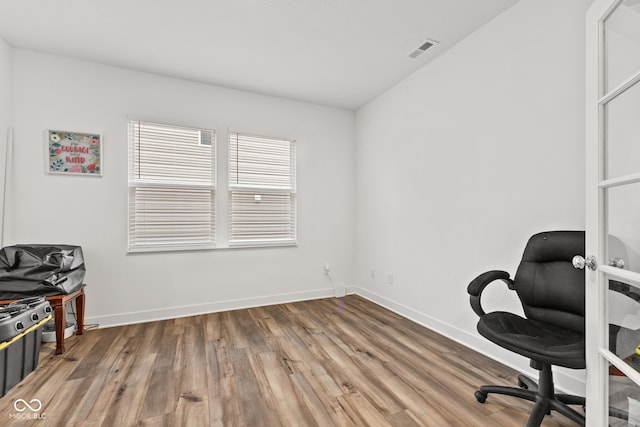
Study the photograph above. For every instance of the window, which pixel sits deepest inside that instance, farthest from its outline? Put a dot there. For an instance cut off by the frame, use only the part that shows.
(171, 187)
(262, 191)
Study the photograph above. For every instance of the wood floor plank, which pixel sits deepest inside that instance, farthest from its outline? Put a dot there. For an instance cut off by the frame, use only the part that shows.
(330, 362)
(128, 402)
(212, 327)
(88, 423)
(361, 411)
(278, 380)
(214, 396)
(404, 419)
(88, 390)
(194, 355)
(233, 330)
(342, 367)
(192, 409)
(160, 395)
(117, 371)
(252, 404)
(317, 407)
(228, 391)
(60, 406)
(93, 357)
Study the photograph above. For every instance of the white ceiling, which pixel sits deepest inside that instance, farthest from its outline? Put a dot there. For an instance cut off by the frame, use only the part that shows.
(340, 53)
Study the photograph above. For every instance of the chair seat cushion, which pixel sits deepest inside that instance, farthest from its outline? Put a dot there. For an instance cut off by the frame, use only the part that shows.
(536, 340)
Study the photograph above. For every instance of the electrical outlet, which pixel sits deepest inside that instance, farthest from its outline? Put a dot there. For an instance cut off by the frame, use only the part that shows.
(372, 274)
(326, 268)
(390, 279)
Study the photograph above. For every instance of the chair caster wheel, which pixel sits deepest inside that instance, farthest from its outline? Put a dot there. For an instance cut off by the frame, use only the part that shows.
(480, 396)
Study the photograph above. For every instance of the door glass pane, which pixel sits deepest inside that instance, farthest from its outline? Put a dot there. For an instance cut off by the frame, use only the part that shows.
(622, 133)
(624, 321)
(622, 39)
(623, 221)
(624, 400)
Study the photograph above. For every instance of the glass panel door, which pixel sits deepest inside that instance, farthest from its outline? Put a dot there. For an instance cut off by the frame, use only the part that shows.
(613, 213)
(621, 44)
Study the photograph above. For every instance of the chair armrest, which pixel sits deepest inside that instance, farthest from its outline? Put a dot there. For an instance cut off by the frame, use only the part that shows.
(624, 289)
(478, 284)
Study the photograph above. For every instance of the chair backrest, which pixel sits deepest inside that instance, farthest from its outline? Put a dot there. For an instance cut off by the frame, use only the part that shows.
(550, 288)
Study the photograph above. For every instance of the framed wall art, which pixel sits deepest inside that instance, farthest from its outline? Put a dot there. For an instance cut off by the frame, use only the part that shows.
(74, 153)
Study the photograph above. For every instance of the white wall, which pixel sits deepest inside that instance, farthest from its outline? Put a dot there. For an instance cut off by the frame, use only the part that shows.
(460, 163)
(64, 94)
(5, 114)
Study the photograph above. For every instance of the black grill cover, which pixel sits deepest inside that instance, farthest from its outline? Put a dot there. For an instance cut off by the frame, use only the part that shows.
(29, 270)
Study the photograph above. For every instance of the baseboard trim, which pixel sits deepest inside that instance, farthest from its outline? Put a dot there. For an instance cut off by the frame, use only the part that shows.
(130, 318)
(565, 379)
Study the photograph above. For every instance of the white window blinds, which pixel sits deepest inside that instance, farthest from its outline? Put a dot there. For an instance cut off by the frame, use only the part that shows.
(171, 187)
(262, 188)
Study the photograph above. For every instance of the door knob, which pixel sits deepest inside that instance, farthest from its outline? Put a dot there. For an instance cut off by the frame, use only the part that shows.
(579, 262)
(616, 262)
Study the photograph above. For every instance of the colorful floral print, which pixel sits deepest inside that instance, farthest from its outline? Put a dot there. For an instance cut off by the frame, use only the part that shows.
(72, 152)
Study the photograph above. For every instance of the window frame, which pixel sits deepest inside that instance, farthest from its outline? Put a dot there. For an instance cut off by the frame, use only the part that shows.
(290, 190)
(141, 183)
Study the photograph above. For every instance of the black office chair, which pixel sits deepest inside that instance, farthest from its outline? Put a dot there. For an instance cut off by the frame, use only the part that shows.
(551, 291)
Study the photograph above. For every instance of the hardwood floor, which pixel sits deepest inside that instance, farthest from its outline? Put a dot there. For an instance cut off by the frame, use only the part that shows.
(330, 362)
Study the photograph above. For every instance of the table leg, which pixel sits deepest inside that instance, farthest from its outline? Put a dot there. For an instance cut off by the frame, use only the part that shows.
(61, 323)
(80, 311)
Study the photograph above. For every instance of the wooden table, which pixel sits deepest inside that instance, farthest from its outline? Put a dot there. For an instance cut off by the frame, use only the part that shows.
(58, 304)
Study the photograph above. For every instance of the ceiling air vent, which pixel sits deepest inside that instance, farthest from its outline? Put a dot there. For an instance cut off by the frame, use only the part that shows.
(422, 48)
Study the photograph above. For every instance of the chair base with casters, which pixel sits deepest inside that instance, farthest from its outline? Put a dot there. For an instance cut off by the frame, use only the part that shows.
(542, 393)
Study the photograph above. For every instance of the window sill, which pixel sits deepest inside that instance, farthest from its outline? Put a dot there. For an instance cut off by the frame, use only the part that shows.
(152, 249)
(231, 245)
(262, 244)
